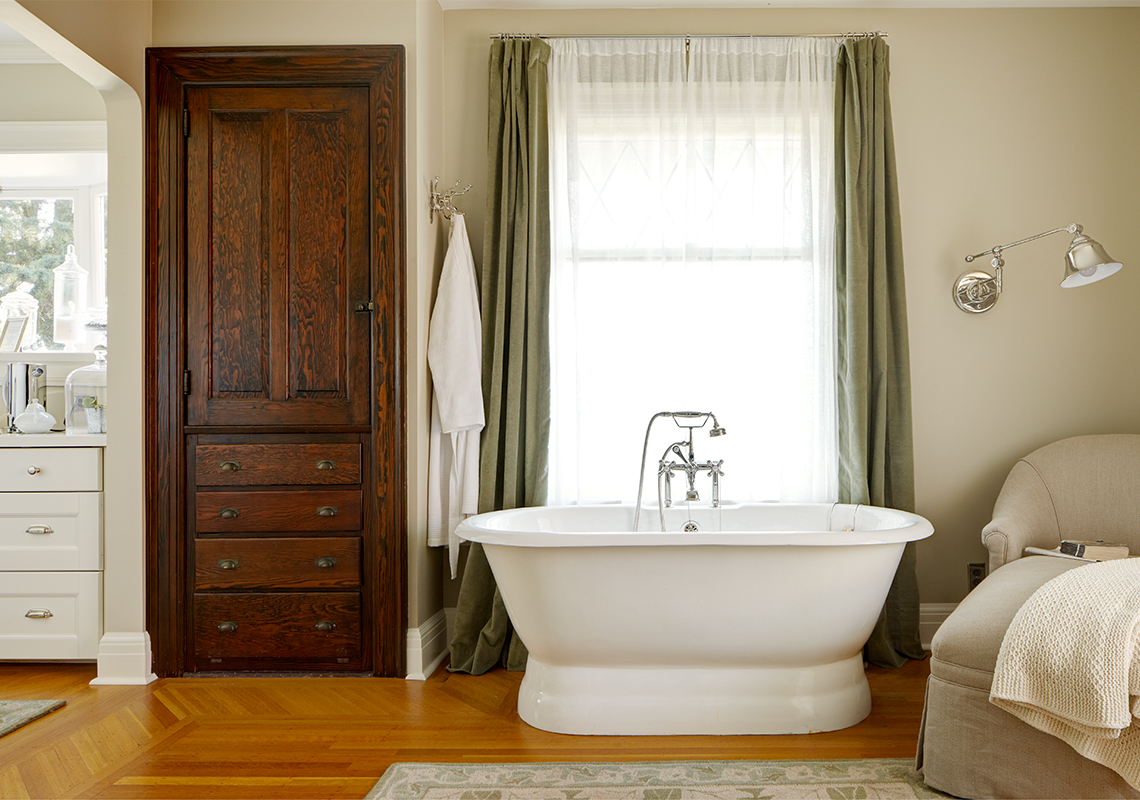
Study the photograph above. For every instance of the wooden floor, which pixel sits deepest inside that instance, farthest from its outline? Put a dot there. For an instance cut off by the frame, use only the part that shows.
(334, 737)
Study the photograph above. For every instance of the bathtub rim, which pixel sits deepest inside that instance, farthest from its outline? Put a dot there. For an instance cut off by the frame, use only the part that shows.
(491, 528)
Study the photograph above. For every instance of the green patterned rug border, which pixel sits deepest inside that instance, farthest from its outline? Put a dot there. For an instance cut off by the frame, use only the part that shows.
(846, 779)
(16, 713)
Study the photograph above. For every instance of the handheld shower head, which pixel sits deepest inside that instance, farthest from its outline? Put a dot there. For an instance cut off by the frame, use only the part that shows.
(716, 429)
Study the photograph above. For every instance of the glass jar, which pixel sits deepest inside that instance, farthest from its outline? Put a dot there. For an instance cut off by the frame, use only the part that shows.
(70, 301)
(20, 303)
(85, 396)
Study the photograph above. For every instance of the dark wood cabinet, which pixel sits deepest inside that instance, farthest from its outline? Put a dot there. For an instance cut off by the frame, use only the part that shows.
(276, 431)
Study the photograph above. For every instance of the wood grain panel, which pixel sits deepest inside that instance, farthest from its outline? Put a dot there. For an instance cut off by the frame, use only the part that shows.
(327, 463)
(295, 510)
(278, 626)
(321, 563)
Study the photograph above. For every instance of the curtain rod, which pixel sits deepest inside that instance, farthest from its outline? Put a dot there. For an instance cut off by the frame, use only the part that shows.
(687, 36)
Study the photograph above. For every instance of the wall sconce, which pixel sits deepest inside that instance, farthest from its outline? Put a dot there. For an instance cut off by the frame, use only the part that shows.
(1086, 262)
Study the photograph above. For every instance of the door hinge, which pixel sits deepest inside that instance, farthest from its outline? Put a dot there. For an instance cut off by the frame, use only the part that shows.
(186, 382)
(366, 307)
(185, 122)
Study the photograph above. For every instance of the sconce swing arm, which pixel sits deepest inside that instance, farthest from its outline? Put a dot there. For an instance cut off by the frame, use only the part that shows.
(1074, 229)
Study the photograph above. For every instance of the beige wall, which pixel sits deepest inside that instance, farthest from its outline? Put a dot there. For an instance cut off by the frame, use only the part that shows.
(1007, 123)
(41, 92)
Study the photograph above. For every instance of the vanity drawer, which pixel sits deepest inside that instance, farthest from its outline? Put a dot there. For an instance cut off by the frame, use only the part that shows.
(318, 563)
(303, 625)
(50, 615)
(277, 464)
(301, 510)
(51, 469)
(51, 532)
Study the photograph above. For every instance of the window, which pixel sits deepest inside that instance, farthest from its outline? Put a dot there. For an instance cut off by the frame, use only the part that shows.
(692, 228)
(48, 202)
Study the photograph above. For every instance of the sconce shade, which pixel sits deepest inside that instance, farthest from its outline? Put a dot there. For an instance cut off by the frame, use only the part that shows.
(1087, 262)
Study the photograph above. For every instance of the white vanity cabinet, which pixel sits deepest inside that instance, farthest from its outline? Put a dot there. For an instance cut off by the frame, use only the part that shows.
(51, 547)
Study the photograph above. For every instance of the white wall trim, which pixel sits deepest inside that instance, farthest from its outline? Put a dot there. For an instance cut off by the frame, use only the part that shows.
(23, 53)
(930, 616)
(54, 136)
(124, 660)
(427, 645)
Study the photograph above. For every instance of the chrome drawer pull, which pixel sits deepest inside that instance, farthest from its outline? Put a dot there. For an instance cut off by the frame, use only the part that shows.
(40, 529)
(326, 464)
(33, 470)
(326, 562)
(38, 613)
(326, 511)
(229, 466)
(228, 627)
(227, 563)
(325, 625)
(229, 513)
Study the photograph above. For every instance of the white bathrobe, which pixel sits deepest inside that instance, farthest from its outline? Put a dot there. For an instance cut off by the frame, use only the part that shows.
(455, 353)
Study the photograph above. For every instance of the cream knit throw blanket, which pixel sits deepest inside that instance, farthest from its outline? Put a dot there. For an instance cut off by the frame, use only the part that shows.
(1068, 664)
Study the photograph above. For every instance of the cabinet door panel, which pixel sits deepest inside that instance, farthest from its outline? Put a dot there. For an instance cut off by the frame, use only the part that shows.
(277, 256)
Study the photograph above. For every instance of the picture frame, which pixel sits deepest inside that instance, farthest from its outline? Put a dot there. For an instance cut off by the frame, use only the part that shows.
(12, 333)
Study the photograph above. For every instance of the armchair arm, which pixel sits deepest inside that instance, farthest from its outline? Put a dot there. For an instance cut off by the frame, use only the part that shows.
(1024, 516)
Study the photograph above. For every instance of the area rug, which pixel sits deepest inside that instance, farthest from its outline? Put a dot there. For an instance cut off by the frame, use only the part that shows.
(14, 713)
(887, 778)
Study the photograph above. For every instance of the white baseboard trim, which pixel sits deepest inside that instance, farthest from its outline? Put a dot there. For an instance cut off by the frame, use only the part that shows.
(427, 646)
(124, 660)
(930, 616)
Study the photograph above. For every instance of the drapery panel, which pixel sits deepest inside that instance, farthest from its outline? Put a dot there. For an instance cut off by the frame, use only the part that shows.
(515, 296)
(875, 432)
(693, 264)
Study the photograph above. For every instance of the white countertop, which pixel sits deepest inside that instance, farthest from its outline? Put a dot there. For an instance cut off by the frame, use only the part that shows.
(52, 440)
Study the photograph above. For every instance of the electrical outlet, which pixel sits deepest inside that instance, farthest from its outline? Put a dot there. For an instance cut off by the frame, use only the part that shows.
(976, 573)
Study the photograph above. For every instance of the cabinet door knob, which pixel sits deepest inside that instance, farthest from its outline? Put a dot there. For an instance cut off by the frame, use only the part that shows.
(228, 627)
(227, 563)
(229, 513)
(40, 529)
(326, 511)
(229, 466)
(326, 562)
(325, 625)
(33, 470)
(38, 613)
(326, 464)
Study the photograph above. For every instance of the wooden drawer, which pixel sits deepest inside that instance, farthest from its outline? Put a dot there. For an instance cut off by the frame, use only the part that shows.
(278, 626)
(277, 464)
(51, 532)
(322, 563)
(50, 615)
(51, 469)
(301, 510)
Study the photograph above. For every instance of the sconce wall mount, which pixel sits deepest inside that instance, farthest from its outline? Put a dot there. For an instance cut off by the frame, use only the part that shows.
(1086, 262)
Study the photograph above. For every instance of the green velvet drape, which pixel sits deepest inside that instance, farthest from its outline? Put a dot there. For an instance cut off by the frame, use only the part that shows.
(876, 450)
(516, 360)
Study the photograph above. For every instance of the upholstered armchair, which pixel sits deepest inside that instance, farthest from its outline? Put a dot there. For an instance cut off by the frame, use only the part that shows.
(1086, 487)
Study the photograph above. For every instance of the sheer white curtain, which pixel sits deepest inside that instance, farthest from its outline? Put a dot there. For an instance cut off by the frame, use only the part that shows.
(693, 247)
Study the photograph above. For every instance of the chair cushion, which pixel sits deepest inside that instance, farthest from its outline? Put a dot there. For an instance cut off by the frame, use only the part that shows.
(965, 648)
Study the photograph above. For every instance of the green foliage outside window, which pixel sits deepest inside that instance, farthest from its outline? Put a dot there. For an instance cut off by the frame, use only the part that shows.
(34, 235)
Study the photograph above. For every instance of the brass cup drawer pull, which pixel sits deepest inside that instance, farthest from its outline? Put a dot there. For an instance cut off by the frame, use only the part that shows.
(326, 511)
(227, 563)
(38, 613)
(326, 562)
(40, 529)
(229, 513)
(228, 627)
(326, 463)
(229, 466)
(325, 625)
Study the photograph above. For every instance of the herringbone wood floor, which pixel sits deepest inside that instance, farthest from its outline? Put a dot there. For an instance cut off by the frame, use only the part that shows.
(334, 737)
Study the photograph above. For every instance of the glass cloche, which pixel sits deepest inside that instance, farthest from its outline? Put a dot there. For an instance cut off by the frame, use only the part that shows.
(85, 396)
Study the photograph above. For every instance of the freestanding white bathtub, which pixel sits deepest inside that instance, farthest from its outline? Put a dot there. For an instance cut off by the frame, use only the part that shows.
(753, 624)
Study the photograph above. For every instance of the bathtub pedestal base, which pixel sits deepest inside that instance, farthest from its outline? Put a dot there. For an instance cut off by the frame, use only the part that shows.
(638, 701)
